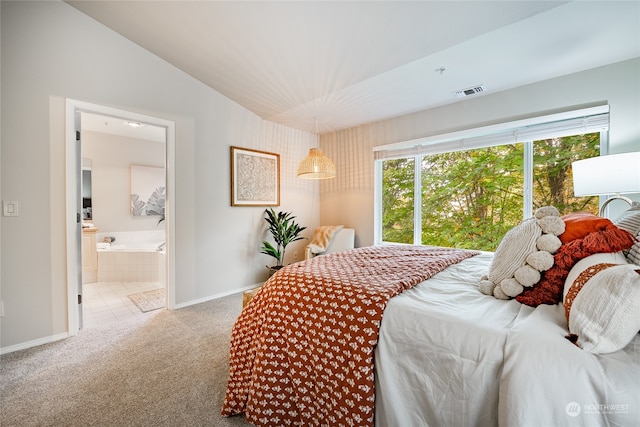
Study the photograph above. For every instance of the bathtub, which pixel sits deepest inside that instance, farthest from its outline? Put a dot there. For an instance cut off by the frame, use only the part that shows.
(132, 257)
(132, 247)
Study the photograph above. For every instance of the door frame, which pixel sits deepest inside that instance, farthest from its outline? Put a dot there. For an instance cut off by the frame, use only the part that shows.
(74, 268)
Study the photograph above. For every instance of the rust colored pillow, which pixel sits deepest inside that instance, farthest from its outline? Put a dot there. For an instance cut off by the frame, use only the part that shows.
(579, 224)
(550, 288)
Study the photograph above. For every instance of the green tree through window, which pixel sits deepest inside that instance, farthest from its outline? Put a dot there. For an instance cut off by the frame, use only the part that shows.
(397, 200)
(470, 199)
(552, 177)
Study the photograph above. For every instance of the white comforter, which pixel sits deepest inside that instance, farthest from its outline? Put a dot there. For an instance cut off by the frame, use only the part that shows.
(450, 356)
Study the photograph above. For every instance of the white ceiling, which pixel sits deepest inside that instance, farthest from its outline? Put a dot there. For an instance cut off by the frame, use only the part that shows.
(342, 64)
(122, 127)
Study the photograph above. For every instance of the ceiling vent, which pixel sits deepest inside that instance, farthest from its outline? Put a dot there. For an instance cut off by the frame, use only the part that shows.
(463, 93)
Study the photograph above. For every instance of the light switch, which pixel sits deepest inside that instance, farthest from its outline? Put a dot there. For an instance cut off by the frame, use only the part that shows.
(9, 208)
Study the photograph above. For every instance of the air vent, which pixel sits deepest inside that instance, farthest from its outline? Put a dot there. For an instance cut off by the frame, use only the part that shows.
(469, 91)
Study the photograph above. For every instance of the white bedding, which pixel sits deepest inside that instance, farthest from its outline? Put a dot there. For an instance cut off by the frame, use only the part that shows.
(548, 381)
(450, 356)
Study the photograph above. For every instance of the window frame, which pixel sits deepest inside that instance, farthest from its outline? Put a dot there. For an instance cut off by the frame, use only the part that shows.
(424, 146)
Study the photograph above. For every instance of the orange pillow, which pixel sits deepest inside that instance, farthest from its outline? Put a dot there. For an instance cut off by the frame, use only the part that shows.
(579, 224)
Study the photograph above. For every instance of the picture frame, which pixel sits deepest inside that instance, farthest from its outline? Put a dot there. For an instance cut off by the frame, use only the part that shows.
(255, 177)
(148, 190)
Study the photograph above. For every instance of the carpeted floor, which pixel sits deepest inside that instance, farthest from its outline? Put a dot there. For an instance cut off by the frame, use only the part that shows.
(169, 368)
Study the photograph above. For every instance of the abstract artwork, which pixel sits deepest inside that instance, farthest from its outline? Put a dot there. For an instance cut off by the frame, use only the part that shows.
(255, 178)
(147, 190)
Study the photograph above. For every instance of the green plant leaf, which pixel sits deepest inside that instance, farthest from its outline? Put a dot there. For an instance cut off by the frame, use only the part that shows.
(284, 230)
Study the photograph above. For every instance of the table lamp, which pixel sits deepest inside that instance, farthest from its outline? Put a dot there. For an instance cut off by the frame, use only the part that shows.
(615, 174)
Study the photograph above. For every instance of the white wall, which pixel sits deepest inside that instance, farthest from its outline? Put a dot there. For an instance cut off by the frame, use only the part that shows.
(111, 157)
(348, 199)
(50, 51)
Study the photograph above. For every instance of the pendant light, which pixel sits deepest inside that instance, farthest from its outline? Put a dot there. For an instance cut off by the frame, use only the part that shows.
(316, 165)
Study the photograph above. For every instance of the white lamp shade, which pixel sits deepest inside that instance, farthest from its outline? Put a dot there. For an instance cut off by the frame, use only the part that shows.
(613, 174)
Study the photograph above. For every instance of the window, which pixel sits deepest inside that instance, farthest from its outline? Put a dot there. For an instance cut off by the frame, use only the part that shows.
(398, 200)
(469, 197)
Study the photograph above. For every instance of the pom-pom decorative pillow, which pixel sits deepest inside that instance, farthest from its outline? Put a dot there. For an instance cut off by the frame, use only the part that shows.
(524, 252)
(602, 303)
(549, 289)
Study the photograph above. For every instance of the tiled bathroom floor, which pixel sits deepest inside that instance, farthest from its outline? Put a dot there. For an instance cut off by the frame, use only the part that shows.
(106, 302)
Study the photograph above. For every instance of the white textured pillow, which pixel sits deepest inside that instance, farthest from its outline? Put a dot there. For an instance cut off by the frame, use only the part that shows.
(588, 263)
(633, 256)
(602, 303)
(513, 250)
(630, 221)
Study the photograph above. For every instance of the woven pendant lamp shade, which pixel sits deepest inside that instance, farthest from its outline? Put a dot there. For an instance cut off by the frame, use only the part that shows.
(316, 166)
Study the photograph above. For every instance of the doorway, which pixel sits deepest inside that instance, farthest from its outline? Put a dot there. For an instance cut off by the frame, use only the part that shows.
(98, 122)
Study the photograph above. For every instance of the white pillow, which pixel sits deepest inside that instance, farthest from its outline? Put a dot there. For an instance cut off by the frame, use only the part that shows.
(630, 220)
(588, 262)
(602, 303)
(633, 256)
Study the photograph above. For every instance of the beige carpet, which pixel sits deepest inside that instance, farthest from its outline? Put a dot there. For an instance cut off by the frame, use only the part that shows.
(166, 368)
(149, 300)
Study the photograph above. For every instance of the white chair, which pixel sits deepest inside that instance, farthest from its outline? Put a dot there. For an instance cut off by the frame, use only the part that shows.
(343, 239)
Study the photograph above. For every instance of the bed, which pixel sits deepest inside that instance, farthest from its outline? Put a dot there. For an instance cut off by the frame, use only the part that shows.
(448, 357)
(430, 350)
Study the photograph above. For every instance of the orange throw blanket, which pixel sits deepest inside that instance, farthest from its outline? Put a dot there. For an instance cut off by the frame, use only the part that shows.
(549, 289)
(302, 350)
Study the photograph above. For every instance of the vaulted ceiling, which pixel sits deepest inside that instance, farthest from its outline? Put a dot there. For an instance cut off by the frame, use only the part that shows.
(327, 66)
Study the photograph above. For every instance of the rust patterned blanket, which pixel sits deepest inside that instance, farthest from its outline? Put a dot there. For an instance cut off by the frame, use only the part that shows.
(302, 350)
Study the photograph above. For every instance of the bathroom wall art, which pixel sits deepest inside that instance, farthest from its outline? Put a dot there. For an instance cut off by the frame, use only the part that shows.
(255, 178)
(147, 190)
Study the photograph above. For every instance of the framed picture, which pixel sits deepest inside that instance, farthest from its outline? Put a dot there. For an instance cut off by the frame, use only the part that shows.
(147, 190)
(255, 178)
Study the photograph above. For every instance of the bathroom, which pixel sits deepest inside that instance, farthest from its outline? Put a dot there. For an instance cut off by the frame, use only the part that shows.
(123, 192)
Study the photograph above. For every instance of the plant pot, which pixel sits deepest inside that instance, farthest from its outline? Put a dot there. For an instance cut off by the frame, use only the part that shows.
(273, 269)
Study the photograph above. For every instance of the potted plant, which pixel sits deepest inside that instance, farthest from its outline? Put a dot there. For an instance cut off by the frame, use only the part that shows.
(284, 230)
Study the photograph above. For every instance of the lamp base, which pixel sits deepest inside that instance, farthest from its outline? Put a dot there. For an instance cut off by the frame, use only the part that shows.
(611, 199)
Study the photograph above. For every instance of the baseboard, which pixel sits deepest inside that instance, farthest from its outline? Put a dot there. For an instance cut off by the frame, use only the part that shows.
(216, 296)
(58, 337)
(34, 343)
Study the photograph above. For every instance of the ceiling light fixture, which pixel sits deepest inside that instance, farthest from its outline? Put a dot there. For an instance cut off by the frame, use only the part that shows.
(134, 124)
(316, 165)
